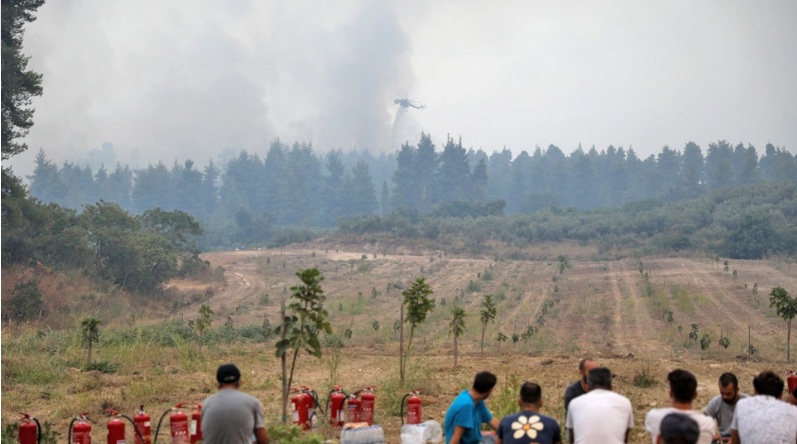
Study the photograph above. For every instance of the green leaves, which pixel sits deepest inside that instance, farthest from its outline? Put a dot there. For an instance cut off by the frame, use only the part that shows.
(308, 318)
(417, 301)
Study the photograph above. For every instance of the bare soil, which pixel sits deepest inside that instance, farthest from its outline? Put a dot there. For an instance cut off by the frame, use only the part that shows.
(603, 309)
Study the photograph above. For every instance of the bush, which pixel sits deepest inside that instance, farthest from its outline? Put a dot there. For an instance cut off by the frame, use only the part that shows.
(292, 434)
(101, 366)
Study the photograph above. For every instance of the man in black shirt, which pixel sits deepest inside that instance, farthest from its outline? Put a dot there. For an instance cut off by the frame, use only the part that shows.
(579, 387)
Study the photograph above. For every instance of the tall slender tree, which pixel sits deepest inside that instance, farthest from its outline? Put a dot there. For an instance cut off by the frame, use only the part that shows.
(786, 308)
(455, 328)
(20, 84)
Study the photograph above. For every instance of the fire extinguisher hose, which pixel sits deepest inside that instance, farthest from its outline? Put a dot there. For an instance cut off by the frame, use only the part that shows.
(39, 425)
(69, 434)
(135, 427)
(160, 421)
(321, 409)
(329, 397)
(401, 409)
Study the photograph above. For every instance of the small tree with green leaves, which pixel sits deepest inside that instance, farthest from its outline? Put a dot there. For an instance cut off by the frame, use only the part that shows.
(705, 342)
(501, 338)
(724, 341)
(300, 329)
(563, 263)
(417, 305)
(455, 328)
(726, 266)
(26, 300)
(693, 333)
(486, 315)
(786, 307)
(202, 324)
(90, 329)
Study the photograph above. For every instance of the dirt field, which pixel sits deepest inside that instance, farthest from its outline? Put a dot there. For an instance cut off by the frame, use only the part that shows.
(603, 309)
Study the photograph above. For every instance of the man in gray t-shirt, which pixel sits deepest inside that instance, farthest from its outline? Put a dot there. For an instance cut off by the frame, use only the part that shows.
(722, 406)
(231, 416)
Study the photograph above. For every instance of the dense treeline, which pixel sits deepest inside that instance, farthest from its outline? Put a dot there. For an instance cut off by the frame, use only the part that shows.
(295, 186)
(136, 253)
(744, 222)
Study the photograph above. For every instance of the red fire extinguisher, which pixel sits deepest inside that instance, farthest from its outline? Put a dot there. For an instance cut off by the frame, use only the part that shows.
(413, 407)
(178, 424)
(196, 424)
(353, 409)
(142, 422)
(80, 430)
(367, 405)
(791, 380)
(116, 429)
(337, 397)
(300, 408)
(29, 430)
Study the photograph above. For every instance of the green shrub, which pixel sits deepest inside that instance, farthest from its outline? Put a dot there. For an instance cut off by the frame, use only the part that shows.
(101, 366)
(292, 434)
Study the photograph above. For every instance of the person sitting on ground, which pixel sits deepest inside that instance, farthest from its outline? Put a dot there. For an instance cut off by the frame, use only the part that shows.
(230, 416)
(600, 415)
(683, 391)
(468, 411)
(764, 418)
(529, 426)
(722, 406)
(579, 387)
(677, 428)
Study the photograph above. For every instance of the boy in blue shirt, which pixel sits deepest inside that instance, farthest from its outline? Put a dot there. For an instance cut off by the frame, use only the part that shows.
(467, 413)
(529, 426)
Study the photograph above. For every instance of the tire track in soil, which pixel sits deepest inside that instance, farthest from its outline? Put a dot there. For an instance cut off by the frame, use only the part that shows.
(641, 337)
(719, 309)
(618, 325)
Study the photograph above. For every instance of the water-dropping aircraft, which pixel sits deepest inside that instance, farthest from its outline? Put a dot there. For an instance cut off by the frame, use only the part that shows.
(407, 103)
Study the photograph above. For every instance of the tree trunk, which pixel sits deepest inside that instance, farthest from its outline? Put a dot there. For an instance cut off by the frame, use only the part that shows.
(401, 344)
(284, 362)
(89, 357)
(484, 327)
(788, 343)
(456, 353)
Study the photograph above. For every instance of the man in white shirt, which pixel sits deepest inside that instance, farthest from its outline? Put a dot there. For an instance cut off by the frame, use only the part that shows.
(600, 415)
(722, 406)
(764, 418)
(683, 391)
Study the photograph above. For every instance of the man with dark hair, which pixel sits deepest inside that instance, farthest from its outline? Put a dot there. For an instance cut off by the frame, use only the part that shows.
(683, 391)
(579, 387)
(231, 416)
(600, 415)
(677, 428)
(529, 426)
(722, 406)
(468, 411)
(764, 418)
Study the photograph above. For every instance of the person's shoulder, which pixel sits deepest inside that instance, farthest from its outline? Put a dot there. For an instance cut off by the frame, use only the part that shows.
(657, 414)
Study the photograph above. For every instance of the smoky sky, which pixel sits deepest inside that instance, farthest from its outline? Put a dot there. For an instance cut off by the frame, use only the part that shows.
(169, 80)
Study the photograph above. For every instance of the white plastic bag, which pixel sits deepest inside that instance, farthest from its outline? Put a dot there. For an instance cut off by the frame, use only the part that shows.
(428, 431)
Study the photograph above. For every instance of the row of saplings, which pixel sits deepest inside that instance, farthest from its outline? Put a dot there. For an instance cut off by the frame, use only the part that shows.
(340, 408)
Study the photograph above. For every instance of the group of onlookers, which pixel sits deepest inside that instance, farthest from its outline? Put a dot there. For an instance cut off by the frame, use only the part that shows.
(596, 414)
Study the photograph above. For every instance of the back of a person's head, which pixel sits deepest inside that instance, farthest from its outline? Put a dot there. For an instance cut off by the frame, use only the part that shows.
(583, 364)
(600, 377)
(677, 428)
(484, 382)
(683, 385)
(530, 393)
(768, 383)
(728, 378)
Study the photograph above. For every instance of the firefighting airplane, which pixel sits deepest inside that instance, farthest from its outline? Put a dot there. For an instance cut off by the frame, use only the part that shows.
(407, 103)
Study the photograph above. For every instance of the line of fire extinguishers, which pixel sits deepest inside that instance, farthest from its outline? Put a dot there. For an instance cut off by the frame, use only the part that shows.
(341, 407)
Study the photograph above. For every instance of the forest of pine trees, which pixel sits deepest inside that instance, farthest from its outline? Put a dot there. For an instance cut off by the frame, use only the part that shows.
(293, 185)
